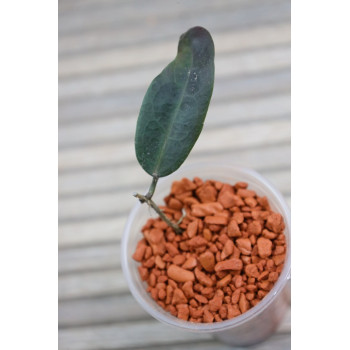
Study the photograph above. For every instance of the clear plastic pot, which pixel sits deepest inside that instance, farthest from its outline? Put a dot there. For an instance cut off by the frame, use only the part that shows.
(256, 324)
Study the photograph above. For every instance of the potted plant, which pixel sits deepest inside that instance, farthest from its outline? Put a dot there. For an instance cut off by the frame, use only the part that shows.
(218, 258)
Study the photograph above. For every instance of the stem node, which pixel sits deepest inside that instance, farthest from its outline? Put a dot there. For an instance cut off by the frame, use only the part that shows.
(154, 206)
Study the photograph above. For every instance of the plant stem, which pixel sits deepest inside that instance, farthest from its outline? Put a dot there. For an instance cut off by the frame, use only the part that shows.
(153, 205)
(152, 188)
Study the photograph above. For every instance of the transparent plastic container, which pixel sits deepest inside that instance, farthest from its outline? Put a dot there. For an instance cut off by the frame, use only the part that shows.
(256, 324)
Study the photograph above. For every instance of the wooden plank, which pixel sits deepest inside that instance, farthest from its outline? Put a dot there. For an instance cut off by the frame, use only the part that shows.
(91, 284)
(281, 179)
(162, 52)
(255, 134)
(120, 202)
(239, 63)
(96, 231)
(92, 311)
(113, 177)
(116, 129)
(155, 28)
(126, 104)
(278, 341)
(150, 334)
(123, 14)
(70, 6)
(90, 258)
(124, 335)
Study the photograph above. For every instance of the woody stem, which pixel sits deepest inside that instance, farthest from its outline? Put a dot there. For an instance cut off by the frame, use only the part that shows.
(153, 205)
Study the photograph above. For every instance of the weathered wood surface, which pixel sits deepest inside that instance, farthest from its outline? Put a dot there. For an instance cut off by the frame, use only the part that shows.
(109, 51)
(152, 334)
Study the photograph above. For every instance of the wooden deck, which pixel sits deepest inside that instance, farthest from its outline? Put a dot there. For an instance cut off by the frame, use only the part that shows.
(109, 51)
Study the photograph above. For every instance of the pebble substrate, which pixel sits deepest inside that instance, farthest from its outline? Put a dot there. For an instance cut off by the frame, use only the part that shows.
(228, 257)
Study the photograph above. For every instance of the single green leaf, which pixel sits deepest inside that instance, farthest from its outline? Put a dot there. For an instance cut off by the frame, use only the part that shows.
(175, 105)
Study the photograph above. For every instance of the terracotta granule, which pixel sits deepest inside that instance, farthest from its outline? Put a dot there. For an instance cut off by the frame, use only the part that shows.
(228, 257)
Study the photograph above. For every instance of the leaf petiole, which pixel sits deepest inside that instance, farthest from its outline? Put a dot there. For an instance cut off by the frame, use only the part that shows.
(152, 188)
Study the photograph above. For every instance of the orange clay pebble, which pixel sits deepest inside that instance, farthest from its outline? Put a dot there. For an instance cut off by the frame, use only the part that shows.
(238, 217)
(264, 247)
(226, 198)
(243, 303)
(233, 229)
(208, 316)
(224, 281)
(179, 274)
(188, 289)
(254, 228)
(183, 311)
(203, 278)
(215, 220)
(251, 270)
(231, 264)
(227, 250)
(197, 241)
(275, 223)
(206, 193)
(192, 228)
(244, 245)
(228, 257)
(179, 259)
(140, 252)
(206, 209)
(178, 297)
(207, 260)
(190, 263)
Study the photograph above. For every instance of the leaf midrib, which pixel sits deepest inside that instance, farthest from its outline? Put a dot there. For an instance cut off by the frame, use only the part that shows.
(161, 153)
